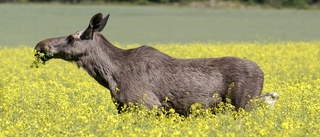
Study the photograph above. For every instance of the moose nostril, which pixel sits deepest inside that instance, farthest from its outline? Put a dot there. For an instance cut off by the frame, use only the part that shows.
(37, 48)
(41, 46)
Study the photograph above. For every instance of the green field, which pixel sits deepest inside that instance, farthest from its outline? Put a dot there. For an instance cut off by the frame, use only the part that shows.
(28, 24)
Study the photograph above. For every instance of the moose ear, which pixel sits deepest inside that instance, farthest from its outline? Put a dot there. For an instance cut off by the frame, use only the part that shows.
(97, 23)
(103, 23)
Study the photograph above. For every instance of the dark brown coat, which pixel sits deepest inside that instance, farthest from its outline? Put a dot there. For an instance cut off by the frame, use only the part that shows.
(149, 77)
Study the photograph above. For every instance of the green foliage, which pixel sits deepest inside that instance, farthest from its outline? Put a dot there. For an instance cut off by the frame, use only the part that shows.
(275, 3)
(58, 99)
(285, 3)
(301, 4)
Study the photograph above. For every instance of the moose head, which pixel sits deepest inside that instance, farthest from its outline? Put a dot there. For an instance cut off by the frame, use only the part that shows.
(71, 47)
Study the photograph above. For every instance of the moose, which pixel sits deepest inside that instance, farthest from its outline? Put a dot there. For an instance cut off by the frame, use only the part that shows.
(148, 77)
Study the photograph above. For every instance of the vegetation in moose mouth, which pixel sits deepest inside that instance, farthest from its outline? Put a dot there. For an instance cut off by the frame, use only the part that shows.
(40, 58)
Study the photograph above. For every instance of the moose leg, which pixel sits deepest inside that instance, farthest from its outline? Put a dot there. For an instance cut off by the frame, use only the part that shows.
(147, 100)
(237, 95)
(151, 101)
(206, 103)
(241, 94)
(210, 102)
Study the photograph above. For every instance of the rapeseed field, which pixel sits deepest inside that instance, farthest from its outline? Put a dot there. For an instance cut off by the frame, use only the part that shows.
(58, 99)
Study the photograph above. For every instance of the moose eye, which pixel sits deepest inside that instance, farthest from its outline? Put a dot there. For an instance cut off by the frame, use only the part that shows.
(70, 39)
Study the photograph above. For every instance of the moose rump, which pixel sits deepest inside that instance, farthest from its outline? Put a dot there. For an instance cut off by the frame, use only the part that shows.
(151, 78)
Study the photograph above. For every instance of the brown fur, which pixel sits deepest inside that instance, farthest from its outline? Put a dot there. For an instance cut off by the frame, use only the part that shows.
(149, 77)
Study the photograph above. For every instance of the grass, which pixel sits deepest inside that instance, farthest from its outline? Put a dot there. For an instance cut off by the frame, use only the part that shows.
(29, 23)
(58, 99)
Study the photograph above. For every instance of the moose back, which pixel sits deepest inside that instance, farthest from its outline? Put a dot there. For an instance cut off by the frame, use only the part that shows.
(148, 77)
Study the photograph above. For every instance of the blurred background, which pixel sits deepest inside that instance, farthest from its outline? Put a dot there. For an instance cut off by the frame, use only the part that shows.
(26, 22)
(273, 3)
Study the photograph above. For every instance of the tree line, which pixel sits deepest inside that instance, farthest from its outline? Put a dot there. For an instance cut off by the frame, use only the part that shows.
(272, 3)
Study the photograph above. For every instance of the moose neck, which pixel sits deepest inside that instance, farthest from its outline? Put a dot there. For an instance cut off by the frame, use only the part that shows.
(101, 60)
